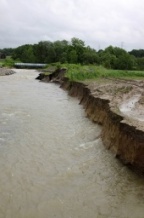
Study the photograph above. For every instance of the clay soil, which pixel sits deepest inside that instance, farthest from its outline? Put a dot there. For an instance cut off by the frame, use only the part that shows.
(126, 98)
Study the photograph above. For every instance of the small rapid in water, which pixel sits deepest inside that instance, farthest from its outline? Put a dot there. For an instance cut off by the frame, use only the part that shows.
(53, 163)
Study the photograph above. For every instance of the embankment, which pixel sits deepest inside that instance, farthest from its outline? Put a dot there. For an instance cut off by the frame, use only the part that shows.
(124, 140)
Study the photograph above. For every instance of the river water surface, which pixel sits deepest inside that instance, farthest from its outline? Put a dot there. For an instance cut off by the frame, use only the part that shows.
(52, 162)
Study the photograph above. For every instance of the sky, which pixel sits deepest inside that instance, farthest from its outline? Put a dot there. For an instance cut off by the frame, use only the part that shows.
(99, 23)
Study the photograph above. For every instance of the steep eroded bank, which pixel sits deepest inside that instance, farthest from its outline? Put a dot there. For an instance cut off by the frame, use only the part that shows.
(102, 102)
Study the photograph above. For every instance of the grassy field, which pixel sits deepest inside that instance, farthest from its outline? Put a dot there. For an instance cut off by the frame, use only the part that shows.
(77, 72)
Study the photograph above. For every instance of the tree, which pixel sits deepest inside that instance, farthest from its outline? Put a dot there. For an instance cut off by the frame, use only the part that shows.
(7, 51)
(140, 63)
(2, 55)
(108, 60)
(45, 52)
(78, 46)
(25, 53)
(90, 56)
(63, 57)
(73, 57)
(61, 48)
(76, 42)
(125, 62)
(116, 58)
(137, 53)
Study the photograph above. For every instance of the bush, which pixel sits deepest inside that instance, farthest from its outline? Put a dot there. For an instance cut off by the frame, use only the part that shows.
(9, 62)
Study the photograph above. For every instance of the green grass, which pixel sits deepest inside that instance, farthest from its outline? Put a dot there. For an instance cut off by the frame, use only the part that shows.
(77, 72)
(7, 62)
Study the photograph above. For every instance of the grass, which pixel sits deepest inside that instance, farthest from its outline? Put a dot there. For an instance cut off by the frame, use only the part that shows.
(7, 62)
(77, 72)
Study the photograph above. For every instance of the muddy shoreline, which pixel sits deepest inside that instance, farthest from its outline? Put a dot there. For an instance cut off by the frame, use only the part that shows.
(6, 71)
(102, 101)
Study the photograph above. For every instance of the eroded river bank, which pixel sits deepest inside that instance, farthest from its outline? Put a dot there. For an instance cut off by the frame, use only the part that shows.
(118, 105)
(53, 163)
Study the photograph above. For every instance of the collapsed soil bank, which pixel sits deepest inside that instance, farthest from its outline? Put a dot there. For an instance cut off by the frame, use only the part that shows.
(119, 134)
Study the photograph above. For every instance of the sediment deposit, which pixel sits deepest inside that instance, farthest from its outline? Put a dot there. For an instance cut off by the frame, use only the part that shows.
(118, 106)
(6, 71)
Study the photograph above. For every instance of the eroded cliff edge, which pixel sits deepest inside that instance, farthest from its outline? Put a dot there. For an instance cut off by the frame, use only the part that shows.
(118, 106)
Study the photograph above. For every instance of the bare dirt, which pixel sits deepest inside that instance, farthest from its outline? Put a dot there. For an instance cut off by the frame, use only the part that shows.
(126, 98)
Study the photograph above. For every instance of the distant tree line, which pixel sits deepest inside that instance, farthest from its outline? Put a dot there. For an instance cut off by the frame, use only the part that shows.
(139, 57)
(75, 52)
(6, 52)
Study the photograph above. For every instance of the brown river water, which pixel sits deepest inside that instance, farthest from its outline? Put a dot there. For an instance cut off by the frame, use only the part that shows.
(52, 163)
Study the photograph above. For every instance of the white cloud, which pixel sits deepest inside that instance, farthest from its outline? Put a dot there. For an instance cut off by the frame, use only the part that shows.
(98, 23)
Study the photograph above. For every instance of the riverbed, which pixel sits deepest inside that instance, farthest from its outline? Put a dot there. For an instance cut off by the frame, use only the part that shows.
(52, 160)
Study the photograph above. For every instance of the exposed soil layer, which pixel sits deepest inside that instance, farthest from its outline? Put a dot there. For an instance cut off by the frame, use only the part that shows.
(116, 104)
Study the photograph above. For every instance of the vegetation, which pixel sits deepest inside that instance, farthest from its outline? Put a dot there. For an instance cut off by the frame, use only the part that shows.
(88, 72)
(7, 62)
(110, 60)
(76, 52)
(1, 62)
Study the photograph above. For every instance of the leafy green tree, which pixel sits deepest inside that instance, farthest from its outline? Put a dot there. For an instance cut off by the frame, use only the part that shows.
(76, 42)
(125, 62)
(7, 51)
(73, 57)
(78, 46)
(28, 55)
(108, 60)
(139, 53)
(61, 48)
(90, 56)
(140, 63)
(45, 52)
(25, 53)
(63, 57)
(115, 51)
(116, 58)
(75, 51)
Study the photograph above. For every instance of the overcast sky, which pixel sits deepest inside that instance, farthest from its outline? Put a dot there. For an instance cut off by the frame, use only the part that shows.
(99, 23)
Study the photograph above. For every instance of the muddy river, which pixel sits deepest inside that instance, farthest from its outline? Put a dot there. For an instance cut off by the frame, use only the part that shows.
(52, 162)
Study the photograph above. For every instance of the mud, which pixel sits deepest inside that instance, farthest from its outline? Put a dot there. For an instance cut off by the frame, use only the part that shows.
(118, 106)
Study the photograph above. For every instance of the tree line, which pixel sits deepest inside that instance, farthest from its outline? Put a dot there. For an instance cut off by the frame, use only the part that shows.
(76, 52)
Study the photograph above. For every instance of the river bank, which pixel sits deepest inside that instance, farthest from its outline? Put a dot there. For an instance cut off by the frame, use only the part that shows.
(116, 104)
(52, 159)
(6, 71)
